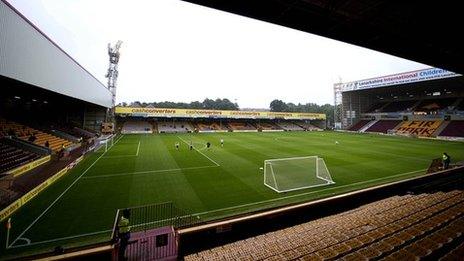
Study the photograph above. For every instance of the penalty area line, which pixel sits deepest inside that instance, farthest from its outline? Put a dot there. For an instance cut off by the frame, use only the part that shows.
(307, 193)
(217, 164)
(216, 210)
(145, 172)
(60, 239)
(62, 194)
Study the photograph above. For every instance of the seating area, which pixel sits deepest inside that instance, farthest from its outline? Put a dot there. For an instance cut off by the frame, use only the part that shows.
(78, 132)
(419, 128)
(397, 106)
(12, 157)
(460, 106)
(290, 126)
(357, 126)
(402, 227)
(376, 107)
(453, 129)
(382, 126)
(137, 127)
(241, 126)
(24, 132)
(268, 126)
(307, 126)
(435, 104)
(174, 127)
(210, 126)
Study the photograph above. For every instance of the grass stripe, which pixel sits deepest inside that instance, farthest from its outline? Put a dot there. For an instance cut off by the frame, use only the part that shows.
(217, 164)
(62, 194)
(145, 172)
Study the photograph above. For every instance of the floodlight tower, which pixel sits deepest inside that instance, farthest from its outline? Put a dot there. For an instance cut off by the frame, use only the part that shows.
(338, 103)
(112, 75)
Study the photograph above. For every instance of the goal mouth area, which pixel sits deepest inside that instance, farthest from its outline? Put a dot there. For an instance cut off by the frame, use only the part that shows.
(296, 173)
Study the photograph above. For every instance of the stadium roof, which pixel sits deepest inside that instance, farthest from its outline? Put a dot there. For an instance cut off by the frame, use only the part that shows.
(429, 74)
(416, 30)
(28, 55)
(220, 114)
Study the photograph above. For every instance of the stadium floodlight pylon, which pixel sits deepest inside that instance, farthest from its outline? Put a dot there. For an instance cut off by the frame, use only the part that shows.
(289, 174)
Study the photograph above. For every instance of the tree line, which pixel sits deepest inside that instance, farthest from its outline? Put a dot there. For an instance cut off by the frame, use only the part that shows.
(209, 104)
(327, 109)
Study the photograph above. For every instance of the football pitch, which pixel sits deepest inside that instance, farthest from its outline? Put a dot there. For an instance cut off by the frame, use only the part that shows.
(210, 183)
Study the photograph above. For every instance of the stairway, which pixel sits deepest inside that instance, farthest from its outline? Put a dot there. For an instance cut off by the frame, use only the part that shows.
(443, 125)
(368, 125)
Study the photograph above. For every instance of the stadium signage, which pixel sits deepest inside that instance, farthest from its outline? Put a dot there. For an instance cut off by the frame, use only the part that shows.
(419, 128)
(191, 113)
(6, 212)
(23, 169)
(397, 79)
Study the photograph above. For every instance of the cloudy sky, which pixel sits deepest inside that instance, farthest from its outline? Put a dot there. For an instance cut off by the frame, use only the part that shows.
(177, 51)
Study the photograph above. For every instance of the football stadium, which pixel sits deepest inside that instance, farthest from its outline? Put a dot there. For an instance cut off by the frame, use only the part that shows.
(84, 178)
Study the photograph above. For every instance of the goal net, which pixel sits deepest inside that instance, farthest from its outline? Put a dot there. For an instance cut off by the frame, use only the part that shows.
(106, 143)
(289, 174)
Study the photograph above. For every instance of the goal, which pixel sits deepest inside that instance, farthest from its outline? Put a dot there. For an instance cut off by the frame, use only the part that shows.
(289, 174)
(106, 143)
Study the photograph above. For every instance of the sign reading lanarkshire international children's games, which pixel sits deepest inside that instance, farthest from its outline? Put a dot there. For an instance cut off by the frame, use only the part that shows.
(397, 79)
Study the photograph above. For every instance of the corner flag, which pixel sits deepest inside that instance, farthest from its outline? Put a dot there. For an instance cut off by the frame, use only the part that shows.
(8, 224)
(8, 227)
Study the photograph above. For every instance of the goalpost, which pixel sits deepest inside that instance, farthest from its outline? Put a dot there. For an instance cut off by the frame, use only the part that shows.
(106, 143)
(289, 174)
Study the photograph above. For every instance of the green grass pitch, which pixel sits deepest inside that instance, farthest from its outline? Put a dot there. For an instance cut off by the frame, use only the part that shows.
(214, 183)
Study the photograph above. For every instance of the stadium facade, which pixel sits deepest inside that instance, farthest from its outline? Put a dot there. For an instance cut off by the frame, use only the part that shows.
(421, 103)
(172, 120)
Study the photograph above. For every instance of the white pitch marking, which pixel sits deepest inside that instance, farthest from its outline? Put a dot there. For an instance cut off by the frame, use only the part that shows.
(61, 195)
(200, 152)
(61, 238)
(145, 172)
(234, 207)
(119, 156)
(138, 148)
(307, 193)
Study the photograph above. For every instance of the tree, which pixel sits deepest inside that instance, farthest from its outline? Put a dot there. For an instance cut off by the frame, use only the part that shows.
(278, 105)
(327, 109)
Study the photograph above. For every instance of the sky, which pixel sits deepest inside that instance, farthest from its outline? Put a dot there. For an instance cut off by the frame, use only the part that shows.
(181, 52)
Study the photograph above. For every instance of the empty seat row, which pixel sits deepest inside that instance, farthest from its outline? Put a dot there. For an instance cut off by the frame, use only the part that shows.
(412, 225)
(12, 157)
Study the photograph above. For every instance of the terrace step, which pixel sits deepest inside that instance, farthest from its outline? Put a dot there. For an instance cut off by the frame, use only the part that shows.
(368, 125)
